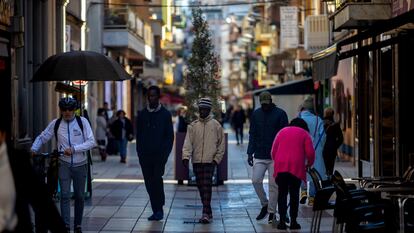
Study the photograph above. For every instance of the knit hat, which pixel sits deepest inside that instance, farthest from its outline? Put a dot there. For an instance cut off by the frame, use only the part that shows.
(204, 103)
(308, 103)
(265, 97)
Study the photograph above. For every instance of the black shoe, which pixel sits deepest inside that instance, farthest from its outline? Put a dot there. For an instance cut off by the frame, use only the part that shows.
(303, 197)
(123, 161)
(294, 225)
(78, 230)
(271, 218)
(262, 214)
(282, 226)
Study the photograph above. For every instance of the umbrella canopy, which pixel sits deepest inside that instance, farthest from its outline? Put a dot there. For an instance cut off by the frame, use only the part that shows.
(80, 65)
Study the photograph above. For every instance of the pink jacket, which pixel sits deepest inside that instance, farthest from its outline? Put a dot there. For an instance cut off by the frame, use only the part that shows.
(291, 150)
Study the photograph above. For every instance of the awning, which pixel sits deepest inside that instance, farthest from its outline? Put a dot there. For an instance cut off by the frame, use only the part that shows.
(297, 87)
(325, 63)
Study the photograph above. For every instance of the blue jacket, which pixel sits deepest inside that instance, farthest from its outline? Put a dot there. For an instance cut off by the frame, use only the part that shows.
(263, 128)
(317, 132)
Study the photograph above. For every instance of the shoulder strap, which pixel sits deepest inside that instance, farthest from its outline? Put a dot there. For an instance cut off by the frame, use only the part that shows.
(57, 123)
(79, 120)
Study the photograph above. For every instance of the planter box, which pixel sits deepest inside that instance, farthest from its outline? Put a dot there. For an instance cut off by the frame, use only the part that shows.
(182, 173)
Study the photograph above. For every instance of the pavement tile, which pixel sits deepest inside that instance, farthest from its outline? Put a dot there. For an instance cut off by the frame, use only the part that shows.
(124, 206)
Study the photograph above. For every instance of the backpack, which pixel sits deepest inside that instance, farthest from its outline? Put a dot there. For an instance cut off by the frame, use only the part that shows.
(57, 124)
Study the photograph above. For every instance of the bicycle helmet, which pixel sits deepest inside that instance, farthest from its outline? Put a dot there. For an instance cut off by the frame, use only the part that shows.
(68, 103)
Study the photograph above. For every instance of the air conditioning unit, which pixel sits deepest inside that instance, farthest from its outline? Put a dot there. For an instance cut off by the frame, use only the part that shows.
(316, 33)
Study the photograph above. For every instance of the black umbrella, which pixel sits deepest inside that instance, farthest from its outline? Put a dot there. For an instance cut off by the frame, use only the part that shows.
(80, 65)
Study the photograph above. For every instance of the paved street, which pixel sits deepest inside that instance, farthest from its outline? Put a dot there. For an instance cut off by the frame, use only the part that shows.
(120, 202)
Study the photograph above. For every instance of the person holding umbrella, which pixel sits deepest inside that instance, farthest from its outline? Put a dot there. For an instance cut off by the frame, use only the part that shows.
(74, 137)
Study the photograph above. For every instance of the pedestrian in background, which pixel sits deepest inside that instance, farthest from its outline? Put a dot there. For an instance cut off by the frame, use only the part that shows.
(204, 144)
(317, 132)
(334, 139)
(100, 133)
(122, 131)
(238, 119)
(74, 138)
(291, 150)
(182, 123)
(266, 122)
(155, 137)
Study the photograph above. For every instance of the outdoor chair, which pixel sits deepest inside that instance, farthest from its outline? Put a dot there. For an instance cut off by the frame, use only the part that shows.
(350, 200)
(324, 191)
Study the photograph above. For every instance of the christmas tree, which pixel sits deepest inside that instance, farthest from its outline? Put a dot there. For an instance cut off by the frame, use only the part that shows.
(203, 72)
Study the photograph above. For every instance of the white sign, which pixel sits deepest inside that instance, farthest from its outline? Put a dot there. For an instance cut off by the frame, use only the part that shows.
(289, 33)
(67, 39)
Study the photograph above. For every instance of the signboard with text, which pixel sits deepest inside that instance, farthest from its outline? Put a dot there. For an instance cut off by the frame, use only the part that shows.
(289, 33)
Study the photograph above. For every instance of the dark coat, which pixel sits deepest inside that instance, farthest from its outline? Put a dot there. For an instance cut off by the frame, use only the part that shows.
(30, 191)
(263, 128)
(334, 139)
(116, 129)
(155, 134)
(238, 118)
(182, 125)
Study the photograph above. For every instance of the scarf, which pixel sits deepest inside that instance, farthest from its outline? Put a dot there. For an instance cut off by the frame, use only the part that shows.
(154, 109)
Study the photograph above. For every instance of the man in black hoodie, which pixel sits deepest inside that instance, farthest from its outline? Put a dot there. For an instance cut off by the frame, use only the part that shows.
(155, 137)
(265, 123)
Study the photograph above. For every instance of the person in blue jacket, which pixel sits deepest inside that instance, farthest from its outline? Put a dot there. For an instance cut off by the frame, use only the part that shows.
(317, 132)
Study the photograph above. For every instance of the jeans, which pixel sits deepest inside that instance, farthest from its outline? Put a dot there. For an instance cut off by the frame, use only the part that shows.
(122, 146)
(66, 175)
(259, 170)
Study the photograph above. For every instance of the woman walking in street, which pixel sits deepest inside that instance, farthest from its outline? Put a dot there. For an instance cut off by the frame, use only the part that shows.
(122, 131)
(100, 134)
(291, 150)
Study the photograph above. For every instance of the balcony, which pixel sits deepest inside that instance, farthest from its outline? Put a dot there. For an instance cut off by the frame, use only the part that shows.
(125, 31)
(352, 14)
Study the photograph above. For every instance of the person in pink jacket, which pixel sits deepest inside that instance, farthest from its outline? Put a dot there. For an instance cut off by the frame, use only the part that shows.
(292, 152)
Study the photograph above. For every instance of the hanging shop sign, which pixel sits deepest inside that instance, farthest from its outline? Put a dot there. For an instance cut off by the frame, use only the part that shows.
(79, 82)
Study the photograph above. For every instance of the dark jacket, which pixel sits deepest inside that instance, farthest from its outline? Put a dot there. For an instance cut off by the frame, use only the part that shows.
(263, 128)
(238, 118)
(30, 191)
(182, 125)
(116, 129)
(334, 138)
(155, 134)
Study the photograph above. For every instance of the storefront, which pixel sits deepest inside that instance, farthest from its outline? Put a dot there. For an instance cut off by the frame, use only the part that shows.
(372, 91)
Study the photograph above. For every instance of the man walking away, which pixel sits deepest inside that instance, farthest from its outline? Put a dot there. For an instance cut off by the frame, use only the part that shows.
(238, 119)
(317, 132)
(155, 137)
(334, 139)
(265, 123)
(204, 144)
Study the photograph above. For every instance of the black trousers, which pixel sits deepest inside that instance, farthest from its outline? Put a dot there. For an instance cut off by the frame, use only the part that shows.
(239, 133)
(153, 170)
(288, 183)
